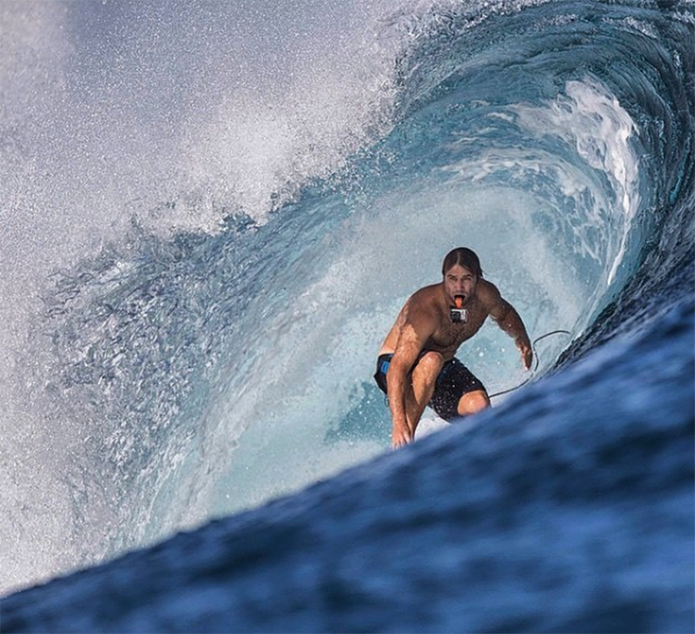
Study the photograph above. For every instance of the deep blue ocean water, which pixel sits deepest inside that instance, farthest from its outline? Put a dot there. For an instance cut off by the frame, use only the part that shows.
(211, 215)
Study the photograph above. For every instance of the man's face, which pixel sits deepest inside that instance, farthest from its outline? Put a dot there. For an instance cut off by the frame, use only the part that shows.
(458, 280)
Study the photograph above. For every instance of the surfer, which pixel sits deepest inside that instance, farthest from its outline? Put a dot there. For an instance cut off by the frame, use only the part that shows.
(416, 365)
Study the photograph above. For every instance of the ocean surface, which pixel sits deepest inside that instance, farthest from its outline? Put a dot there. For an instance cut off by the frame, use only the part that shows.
(211, 214)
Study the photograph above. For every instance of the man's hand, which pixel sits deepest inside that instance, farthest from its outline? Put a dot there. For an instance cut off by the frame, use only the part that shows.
(401, 436)
(526, 353)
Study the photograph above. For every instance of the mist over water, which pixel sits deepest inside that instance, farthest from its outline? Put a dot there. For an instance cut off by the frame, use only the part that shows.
(212, 213)
(167, 116)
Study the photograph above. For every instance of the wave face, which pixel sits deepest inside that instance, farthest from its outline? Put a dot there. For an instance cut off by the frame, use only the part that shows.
(213, 214)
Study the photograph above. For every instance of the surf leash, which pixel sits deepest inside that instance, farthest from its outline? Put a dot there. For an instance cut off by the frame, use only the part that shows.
(535, 356)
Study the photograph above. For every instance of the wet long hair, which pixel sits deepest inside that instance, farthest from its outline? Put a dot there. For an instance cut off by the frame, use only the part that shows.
(463, 257)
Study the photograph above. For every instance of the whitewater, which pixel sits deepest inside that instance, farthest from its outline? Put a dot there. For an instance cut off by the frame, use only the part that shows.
(211, 214)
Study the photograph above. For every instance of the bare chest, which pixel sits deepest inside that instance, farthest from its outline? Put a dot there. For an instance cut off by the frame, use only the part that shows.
(450, 335)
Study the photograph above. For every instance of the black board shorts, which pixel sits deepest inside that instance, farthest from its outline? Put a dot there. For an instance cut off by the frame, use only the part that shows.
(453, 382)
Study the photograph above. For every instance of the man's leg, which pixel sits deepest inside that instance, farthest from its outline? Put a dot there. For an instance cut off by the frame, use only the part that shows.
(473, 402)
(458, 392)
(419, 393)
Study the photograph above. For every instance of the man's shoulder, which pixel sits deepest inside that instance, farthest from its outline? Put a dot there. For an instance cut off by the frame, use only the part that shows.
(423, 303)
(491, 299)
(487, 293)
(425, 296)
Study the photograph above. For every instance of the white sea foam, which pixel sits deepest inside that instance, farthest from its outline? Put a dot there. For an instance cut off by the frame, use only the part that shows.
(589, 118)
(169, 116)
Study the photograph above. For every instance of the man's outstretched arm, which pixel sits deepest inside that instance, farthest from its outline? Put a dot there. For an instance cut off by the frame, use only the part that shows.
(510, 322)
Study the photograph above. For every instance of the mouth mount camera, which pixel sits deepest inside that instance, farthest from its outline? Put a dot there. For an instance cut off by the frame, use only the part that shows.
(457, 314)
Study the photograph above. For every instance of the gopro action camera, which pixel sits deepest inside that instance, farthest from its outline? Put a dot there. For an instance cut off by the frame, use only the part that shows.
(457, 314)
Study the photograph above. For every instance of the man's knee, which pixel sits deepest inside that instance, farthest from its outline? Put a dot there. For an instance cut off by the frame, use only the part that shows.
(473, 402)
(425, 376)
(431, 363)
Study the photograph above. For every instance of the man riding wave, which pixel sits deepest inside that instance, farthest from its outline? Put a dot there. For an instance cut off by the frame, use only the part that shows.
(416, 365)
